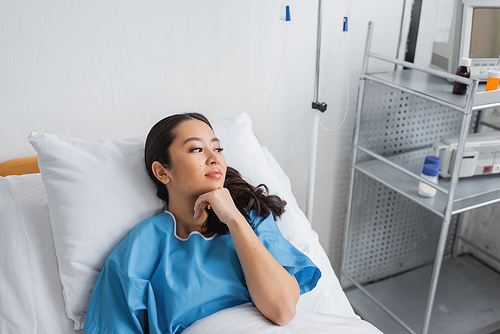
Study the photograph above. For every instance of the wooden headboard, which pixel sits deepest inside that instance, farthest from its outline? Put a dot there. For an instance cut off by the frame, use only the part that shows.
(19, 166)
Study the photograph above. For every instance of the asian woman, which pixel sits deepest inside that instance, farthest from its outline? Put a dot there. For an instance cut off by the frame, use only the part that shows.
(215, 246)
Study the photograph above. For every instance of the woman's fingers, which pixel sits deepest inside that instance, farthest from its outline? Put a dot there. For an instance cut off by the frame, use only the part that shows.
(220, 201)
(199, 207)
(202, 203)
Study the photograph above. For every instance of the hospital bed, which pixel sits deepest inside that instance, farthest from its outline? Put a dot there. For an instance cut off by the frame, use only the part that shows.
(79, 198)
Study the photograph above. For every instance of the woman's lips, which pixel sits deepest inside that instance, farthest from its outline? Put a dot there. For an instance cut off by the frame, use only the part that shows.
(216, 173)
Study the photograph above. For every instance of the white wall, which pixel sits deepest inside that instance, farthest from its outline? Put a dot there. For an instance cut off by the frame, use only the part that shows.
(111, 69)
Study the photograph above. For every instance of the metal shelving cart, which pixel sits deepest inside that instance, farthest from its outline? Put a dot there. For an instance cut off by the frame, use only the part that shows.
(399, 267)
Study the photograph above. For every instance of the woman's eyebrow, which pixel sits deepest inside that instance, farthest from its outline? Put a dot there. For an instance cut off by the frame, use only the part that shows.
(215, 139)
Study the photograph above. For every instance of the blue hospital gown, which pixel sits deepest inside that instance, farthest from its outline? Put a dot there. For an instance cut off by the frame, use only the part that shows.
(159, 282)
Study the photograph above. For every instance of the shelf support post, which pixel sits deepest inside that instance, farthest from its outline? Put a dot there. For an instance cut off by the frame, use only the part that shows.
(359, 107)
(471, 91)
(368, 45)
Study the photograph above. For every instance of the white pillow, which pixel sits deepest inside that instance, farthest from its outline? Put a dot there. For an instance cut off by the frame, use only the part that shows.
(99, 190)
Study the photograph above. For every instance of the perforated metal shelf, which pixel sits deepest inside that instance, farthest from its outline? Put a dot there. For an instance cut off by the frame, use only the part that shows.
(395, 121)
(388, 233)
(434, 87)
(470, 193)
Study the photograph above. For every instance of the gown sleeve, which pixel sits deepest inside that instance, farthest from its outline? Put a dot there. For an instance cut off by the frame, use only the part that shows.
(118, 304)
(294, 261)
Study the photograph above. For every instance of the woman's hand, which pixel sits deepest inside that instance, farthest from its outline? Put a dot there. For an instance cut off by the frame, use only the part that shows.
(221, 203)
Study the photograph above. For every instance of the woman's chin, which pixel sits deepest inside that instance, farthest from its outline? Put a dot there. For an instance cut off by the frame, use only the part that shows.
(208, 189)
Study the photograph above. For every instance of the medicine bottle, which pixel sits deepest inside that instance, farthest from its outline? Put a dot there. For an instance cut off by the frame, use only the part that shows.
(493, 80)
(464, 71)
(429, 172)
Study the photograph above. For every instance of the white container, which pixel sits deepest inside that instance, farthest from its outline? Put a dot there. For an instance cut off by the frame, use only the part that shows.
(429, 172)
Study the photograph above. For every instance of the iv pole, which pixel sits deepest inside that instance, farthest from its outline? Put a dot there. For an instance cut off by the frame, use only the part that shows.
(319, 107)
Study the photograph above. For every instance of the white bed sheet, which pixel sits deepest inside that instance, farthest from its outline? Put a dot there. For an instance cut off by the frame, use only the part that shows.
(31, 293)
(246, 319)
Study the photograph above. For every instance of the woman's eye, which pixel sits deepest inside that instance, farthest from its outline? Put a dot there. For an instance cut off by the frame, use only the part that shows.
(219, 150)
(196, 150)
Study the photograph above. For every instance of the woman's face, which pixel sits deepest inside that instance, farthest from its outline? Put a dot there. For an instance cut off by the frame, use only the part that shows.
(198, 165)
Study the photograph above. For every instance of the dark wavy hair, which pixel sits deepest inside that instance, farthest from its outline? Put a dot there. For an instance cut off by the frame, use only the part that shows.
(245, 196)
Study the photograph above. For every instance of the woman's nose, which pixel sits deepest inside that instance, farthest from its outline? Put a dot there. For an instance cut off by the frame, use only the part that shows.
(213, 158)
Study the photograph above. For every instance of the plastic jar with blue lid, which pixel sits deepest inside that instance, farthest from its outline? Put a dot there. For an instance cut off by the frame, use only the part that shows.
(430, 172)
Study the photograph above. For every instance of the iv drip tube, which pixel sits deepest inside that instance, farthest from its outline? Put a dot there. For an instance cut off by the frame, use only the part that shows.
(314, 138)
